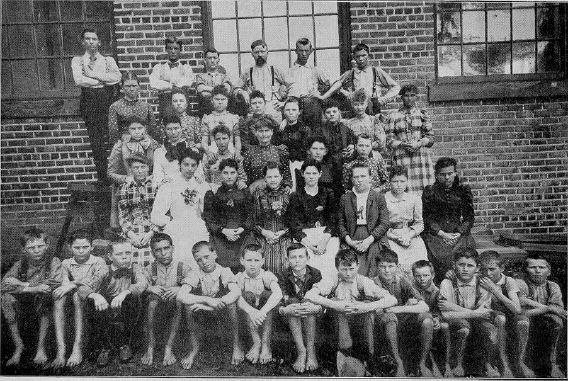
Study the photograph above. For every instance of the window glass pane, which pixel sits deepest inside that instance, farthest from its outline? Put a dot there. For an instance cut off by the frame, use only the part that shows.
(48, 39)
(46, 11)
(25, 77)
(247, 61)
(21, 41)
(16, 11)
(231, 64)
(97, 10)
(498, 25)
(523, 57)
(249, 31)
(492, 5)
(222, 9)
(5, 44)
(280, 60)
(523, 24)
(300, 7)
(72, 39)
(276, 33)
(300, 27)
(69, 82)
(473, 26)
(71, 10)
(474, 6)
(499, 59)
(523, 4)
(328, 61)
(449, 61)
(225, 36)
(105, 37)
(548, 56)
(325, 7)
(548, 22)
(50, 74)
(249, 8)
(327, 34)
(448, 27)
(474, 60)
(274, 8)
(6, 79)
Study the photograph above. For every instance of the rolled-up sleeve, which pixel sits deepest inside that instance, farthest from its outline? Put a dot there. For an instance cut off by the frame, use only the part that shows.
(141, 282)
(92, 282)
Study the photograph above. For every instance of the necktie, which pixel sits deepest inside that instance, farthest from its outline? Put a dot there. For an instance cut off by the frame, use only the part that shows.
(300, 284)
(173, 64)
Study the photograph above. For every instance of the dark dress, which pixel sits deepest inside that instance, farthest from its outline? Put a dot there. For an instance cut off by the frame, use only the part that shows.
(308, 211)
(450, 210)
(330, 177)
(228, 208)
(256, 157)
(295, 137)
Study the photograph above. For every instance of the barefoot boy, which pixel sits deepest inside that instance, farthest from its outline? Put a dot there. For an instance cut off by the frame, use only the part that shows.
(351, 295)
(209, 292)
(82, 275)
(542, 301)
(295, 282)
(165, 277)
(26, 288)
(260, 294)
(113, 311)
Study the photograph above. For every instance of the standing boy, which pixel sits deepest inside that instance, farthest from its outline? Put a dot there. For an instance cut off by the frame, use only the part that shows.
(205, 82)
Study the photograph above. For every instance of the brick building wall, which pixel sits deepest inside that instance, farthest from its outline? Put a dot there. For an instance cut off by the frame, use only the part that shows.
(512, 152)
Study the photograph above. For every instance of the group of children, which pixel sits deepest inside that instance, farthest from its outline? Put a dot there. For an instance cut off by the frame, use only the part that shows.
(475, 299)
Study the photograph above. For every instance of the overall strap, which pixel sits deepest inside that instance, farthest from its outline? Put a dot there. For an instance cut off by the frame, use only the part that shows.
(179, 273)
(272, 72)
(250, 78)
(154, 272)
(353, 79)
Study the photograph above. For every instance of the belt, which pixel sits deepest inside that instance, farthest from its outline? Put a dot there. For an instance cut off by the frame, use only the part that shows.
(398, 225)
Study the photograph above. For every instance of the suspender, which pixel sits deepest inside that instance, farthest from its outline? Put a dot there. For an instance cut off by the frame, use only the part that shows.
(531, 292)
(457, 294)
(155, 273)
(375, 75)
(271, 72)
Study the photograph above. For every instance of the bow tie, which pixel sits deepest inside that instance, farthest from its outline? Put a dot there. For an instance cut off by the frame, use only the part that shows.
(173, 64)
(138, 146)
(121, 273)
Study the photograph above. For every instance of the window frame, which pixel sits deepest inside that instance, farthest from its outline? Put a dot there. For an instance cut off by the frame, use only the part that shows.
(344, 28)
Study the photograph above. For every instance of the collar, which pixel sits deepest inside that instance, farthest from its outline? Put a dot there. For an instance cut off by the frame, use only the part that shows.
(430, 289)
(501, 280)
(216, 273)
(365, 70)
(360, 194)
(471, 283)
(114, 268)
(228, 188)
(308, 65)
(385, 282)
(307, 275)
(89, 261)
(147, 180)
(219, 113)
(172, 264)
(259, 276)
(274, 191)
(87, 56)
(390, 197)
(129, 101)
(173, 64)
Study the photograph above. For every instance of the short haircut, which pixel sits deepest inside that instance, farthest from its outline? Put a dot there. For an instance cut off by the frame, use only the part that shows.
(191, 153)
(535, 257)
(210, 50)
(231, 163)
(173, 40)
(295, 246)
(200, 245)
(468, 253)
(89, 30)
(360, 47)
(421, 264)
(359, 96)
(257, 94)
(365, 136)
(119, 241)
(445, 162)
(32, 233)
(303, 41)
(310, 163)
(221, 129)
(360, 164)
(169, 116)
(255, 247)
(159, 237)
(319, 139)
(220, 90)
(80, 234)
(491, 255)
(346, 257)
(258, 43)
(271, 165)
(398, 170)
(409, 88)
(292, 100)
(129, 76)
(331, 103)
(388, 255)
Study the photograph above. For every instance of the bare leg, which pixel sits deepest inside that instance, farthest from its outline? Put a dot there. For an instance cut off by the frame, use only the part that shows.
(502, 342)
(295, 324)
(41, 357)
(254, 352)
(523, 337)
(148, 357)
(59, 321)
(266, 340)
(169, 357)
(462, 335)
(238, 354)
(194, 338)
(392, 338)
(19, 344)
(426, 333)
(309, 324)
(555, 371)
(344, 332)
(76, 353)
(447, 344)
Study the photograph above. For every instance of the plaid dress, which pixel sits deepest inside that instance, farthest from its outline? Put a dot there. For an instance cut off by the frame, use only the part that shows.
(407, 125)
(134, 206)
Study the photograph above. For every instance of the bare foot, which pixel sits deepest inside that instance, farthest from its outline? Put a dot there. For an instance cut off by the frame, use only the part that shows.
(148, 357)
(75, 359)
(507, 373)
(526, 372)
(169, 358)
(40, 357)
(458, 371)
(424, 371)
(400, 372)
(299, 365)
(15, 359)
(555, 372)
(448, 372)
(253, 354)
(311, 362)
(59, 362)
(491, 371)
(187, 361)
(238, 355)
(265, 356)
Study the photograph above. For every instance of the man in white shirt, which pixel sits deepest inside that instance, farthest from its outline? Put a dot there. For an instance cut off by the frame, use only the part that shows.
(97, 76)
(171, 74)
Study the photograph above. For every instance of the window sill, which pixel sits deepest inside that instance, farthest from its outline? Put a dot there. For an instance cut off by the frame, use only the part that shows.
(497, 89)
(41, 108)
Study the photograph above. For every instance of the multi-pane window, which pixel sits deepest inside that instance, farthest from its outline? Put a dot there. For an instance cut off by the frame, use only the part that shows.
(39, 38)
(489, 39)
(235, 25)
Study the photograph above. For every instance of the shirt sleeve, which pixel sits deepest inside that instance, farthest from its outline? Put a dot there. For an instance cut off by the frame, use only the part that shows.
(386, 81)
(447, 291)
(12, 273)
(158, 171)
(113, 129)
(54, 278)
(239, 279)
(269, 278)
(372, 289)
(418, 223)
(346, 78)
(115, 164)
(390, 135)
(467, 210)
(80, 79)
(484, 299)
(379, 134)
(326, 285)
(409, 289)
(210, 213)
(429, 213)
(123, 211)
(141, 282)
(192, 279)
(427, 131)
(92, 282)
(112, 74)
(555, 297)
(161, 206)
(227, 277)
(523, 287)
(187, 77)
(156, 82)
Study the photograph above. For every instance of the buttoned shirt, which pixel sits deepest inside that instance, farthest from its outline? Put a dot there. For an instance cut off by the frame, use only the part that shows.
(210, 282)
(35, 275)
(166, 276)
(547, 293)
(305, 80)
(361, 207)
(104, 67)
(430, 294)
(400, 287)
(258, 284)
(371, 126)
(87, 276)
(350, 290)
(406, 210)
(135, 201)
(119, 280)
(355, 79)
(262, 80)
(165, 76)
(211, 79)
(465, 294)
